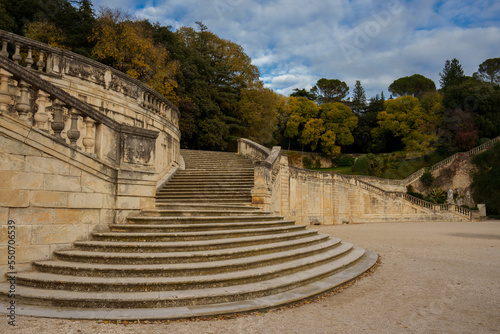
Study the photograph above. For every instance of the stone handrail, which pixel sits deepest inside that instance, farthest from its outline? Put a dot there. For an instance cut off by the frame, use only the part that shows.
(51, 61)
(252, 150)
(481, 148)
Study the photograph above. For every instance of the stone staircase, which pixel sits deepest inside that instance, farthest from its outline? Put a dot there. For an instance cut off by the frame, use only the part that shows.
(204, 251)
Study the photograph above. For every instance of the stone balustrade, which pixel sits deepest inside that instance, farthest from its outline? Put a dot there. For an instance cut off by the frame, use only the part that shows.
(314, 197)
(58, 64)
(476, 150)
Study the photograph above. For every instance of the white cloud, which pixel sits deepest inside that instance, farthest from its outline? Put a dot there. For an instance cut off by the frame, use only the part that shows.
(294, 43)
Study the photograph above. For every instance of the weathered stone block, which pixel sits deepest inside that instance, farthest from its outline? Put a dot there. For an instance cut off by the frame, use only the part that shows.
(62, 183)
(21, 180)
(85, 200)
(124, 202)
(14, 198)
(46, 165)
(22, 234)
(90, 183)
(56, 234)
(136, 190)
(49, 199)
(26, 254)
(148, 203)
(11, 161)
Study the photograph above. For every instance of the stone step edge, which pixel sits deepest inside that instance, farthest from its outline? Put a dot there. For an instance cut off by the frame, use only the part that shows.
(200, 256)
(305, 292)
(227, 265)
(212, 243)
(215, 234)
(229, 278)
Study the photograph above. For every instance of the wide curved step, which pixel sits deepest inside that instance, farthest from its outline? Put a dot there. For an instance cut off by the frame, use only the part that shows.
(173, 298)
(184, 257)
(315, 257)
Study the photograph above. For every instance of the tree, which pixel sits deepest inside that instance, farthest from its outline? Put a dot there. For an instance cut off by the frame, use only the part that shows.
(405, 118)
(330, 90)
(453, 74)
(304, 93)
(127, 45)
(414, 85)
(358, 97)
(489, 71)
(300, 111)
(46, 32)
(339, 123)
(258, 109)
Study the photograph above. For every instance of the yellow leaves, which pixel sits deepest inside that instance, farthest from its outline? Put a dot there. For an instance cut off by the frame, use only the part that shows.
(126, 45)
(46, 32)
(406, 118)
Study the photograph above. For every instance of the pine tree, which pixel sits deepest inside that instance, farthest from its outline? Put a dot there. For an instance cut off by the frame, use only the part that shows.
(358, 98)
(453, 74)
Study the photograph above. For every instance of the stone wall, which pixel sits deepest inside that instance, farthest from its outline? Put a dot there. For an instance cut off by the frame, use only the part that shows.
(53, 193)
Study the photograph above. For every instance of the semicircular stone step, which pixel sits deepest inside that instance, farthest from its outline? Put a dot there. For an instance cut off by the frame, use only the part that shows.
(179, 257)
(161, 283)
(184, 246)
(176, 298)
(198, 235)
(185, 269)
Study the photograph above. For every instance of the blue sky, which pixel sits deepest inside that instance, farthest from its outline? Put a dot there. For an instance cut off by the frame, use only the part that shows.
(294, 43)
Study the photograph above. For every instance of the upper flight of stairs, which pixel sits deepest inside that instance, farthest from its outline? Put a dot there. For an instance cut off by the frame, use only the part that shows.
(210, 177)
(203, 251)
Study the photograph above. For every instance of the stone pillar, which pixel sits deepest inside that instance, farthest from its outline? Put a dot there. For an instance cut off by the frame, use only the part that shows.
(261, 192)
(482, 211)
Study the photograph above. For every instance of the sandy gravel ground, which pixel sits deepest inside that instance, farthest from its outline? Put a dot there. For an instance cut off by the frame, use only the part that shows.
(434, 278)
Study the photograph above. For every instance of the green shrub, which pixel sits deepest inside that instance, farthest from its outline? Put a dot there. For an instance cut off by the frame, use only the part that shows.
(344, 161)
(427, 178)
(307, 163)
(361, 165)
(437, 195)
(317, 164)
(412, 192)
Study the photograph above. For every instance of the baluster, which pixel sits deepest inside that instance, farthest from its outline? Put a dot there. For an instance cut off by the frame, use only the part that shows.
(41, 117)
(88, 140)
(23, 105)
(17, 55)
(40, 63)
(4, 51)
(5, 97)
(73, 133)
(58, 123)
(29, 59)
